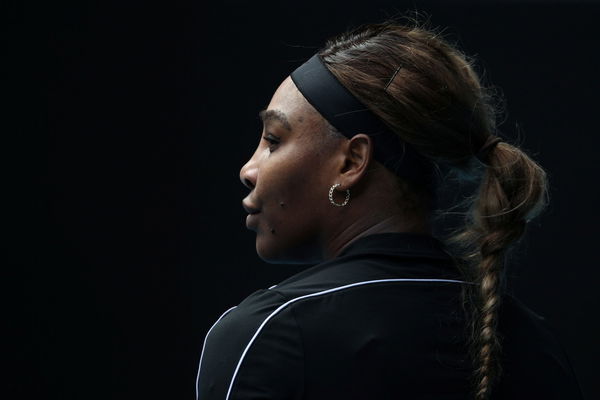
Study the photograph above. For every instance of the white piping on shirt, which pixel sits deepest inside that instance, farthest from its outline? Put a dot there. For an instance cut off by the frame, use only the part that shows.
(281, 307)
(204, 345)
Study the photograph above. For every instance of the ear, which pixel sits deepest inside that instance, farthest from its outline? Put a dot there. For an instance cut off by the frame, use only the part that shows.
(356, 156)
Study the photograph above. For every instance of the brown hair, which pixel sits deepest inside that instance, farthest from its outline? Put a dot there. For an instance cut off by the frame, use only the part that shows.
(427, 91)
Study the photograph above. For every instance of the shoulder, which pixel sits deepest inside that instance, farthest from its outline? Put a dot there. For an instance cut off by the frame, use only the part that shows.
(379, 321)
(245, 349)
(385, 302)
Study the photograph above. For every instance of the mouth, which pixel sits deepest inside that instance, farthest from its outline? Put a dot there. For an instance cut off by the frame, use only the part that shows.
(250, 208)
(252, 218)
(252, 221)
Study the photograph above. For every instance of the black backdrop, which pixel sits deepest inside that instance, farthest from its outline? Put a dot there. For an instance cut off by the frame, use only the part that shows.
(126, 131)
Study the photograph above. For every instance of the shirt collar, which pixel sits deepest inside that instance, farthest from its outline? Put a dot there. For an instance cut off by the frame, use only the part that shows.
(408, 255)
(397, 243)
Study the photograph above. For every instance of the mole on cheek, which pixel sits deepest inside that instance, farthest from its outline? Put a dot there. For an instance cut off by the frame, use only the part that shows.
(281, 204)
(272, 231)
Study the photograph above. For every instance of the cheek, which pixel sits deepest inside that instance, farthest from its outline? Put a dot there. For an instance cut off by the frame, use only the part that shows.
(293, 198)
(300, 190)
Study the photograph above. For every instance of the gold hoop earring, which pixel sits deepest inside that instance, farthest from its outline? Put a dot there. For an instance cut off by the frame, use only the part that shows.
(331, 189)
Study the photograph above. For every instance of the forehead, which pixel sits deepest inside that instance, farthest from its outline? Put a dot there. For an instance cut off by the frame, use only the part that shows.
(287, 102)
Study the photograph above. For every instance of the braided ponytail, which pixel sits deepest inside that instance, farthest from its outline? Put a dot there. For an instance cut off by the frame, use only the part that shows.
(512, 191)
(427, 92)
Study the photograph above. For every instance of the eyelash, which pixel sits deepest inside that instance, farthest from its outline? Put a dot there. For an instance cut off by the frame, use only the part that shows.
(272, 141)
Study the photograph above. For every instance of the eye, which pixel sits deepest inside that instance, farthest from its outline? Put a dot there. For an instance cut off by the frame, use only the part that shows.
(272, 140)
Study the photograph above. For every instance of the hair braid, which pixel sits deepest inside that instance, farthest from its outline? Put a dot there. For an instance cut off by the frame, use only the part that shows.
(485, 325)
(512, 191)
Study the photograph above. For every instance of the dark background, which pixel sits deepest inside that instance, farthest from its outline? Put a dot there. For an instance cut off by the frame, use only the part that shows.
(127, 124)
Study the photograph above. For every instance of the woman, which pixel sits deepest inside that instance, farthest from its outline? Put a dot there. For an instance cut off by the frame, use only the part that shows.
(343, 176)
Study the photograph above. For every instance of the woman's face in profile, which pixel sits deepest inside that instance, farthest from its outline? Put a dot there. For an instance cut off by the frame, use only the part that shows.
(289, 176)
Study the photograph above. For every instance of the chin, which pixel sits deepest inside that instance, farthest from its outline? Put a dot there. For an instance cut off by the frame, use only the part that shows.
(273, 253)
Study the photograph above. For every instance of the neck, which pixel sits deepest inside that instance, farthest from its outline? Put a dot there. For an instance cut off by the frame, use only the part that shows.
(368, 224)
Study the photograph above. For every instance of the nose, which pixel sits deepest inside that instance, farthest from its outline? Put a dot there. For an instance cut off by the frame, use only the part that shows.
(248, 174)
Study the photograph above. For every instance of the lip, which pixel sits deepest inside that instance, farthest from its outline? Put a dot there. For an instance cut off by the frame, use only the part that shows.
(250, 208)
(252, 221)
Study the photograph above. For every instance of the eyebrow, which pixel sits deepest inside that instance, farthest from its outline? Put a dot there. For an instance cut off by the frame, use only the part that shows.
(268, 115)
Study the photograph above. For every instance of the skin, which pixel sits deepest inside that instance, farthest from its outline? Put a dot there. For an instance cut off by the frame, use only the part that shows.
(289, 176)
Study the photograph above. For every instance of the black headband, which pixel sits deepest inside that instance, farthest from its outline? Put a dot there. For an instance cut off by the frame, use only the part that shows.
(349, 116)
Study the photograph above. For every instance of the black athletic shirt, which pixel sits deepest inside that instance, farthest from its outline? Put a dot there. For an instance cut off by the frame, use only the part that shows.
(383, 320)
